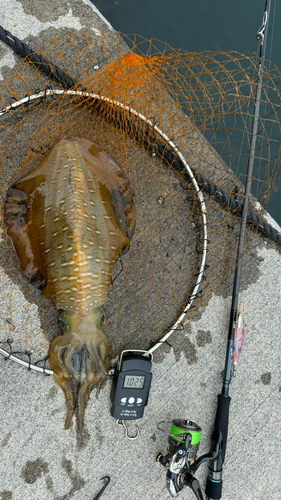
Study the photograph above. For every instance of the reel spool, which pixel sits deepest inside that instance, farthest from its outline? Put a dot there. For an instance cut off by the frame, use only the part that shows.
(179, 430)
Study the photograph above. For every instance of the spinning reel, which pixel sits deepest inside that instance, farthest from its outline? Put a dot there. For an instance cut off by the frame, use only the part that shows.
(181, 459)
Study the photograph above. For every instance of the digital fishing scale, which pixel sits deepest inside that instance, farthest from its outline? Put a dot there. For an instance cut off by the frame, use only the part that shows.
(131, 385)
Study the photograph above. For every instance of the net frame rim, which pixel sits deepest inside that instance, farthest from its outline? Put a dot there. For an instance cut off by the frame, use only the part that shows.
(52, 92)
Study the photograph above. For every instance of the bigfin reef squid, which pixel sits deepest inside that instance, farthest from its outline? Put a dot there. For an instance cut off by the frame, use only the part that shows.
(69, 219)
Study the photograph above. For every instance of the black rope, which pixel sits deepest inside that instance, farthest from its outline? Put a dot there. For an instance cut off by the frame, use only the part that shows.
(230, 203)
(44, 365)
(44, 64)
(9, 342)
(152, 344)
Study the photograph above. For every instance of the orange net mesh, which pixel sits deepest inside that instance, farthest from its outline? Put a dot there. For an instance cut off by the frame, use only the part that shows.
(205, 104)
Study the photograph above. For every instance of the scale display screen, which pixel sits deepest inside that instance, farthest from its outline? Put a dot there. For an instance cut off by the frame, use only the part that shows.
(134, 382)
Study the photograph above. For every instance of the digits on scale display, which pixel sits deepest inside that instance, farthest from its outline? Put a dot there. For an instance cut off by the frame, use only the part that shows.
(133, 381)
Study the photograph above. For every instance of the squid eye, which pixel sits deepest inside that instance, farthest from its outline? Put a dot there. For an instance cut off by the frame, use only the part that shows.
(101, 320)
(62, 322)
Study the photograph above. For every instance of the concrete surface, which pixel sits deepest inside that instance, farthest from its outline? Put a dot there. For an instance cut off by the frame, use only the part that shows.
(40, 460)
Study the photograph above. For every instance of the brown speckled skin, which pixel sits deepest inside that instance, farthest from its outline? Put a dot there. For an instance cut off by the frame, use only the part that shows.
(69, 219)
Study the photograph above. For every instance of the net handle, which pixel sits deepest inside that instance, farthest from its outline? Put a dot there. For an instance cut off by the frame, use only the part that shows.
(51, 92)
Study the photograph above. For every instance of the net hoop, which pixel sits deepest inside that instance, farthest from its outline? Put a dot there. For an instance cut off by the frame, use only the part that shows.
(56, 92)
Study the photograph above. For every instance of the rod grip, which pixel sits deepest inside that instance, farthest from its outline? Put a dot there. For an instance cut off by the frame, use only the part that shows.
(214, 481)
(221, 420)
(213, 490)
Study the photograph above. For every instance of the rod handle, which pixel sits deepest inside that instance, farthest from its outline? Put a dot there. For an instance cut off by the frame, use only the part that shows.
(214, 480)
(221, 421)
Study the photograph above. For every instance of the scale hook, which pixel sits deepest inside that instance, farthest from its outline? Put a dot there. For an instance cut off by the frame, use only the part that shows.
(122, 422)
(103, 488)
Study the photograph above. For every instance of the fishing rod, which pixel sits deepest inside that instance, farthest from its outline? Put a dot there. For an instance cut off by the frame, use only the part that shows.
(184, 437)
(214, 480)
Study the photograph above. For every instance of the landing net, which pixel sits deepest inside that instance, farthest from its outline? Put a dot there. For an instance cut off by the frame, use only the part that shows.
(179, 124)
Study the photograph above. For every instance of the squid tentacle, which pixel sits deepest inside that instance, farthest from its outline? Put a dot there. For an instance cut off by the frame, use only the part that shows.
(68, 355)
(58, 351)
(69, 399)
(79, 363)
(100, 358)
(85, 391)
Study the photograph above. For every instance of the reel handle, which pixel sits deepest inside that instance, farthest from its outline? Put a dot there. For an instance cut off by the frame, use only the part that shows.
(193, 483)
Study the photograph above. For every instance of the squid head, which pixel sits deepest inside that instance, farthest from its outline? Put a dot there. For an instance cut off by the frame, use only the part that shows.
(80, 358)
